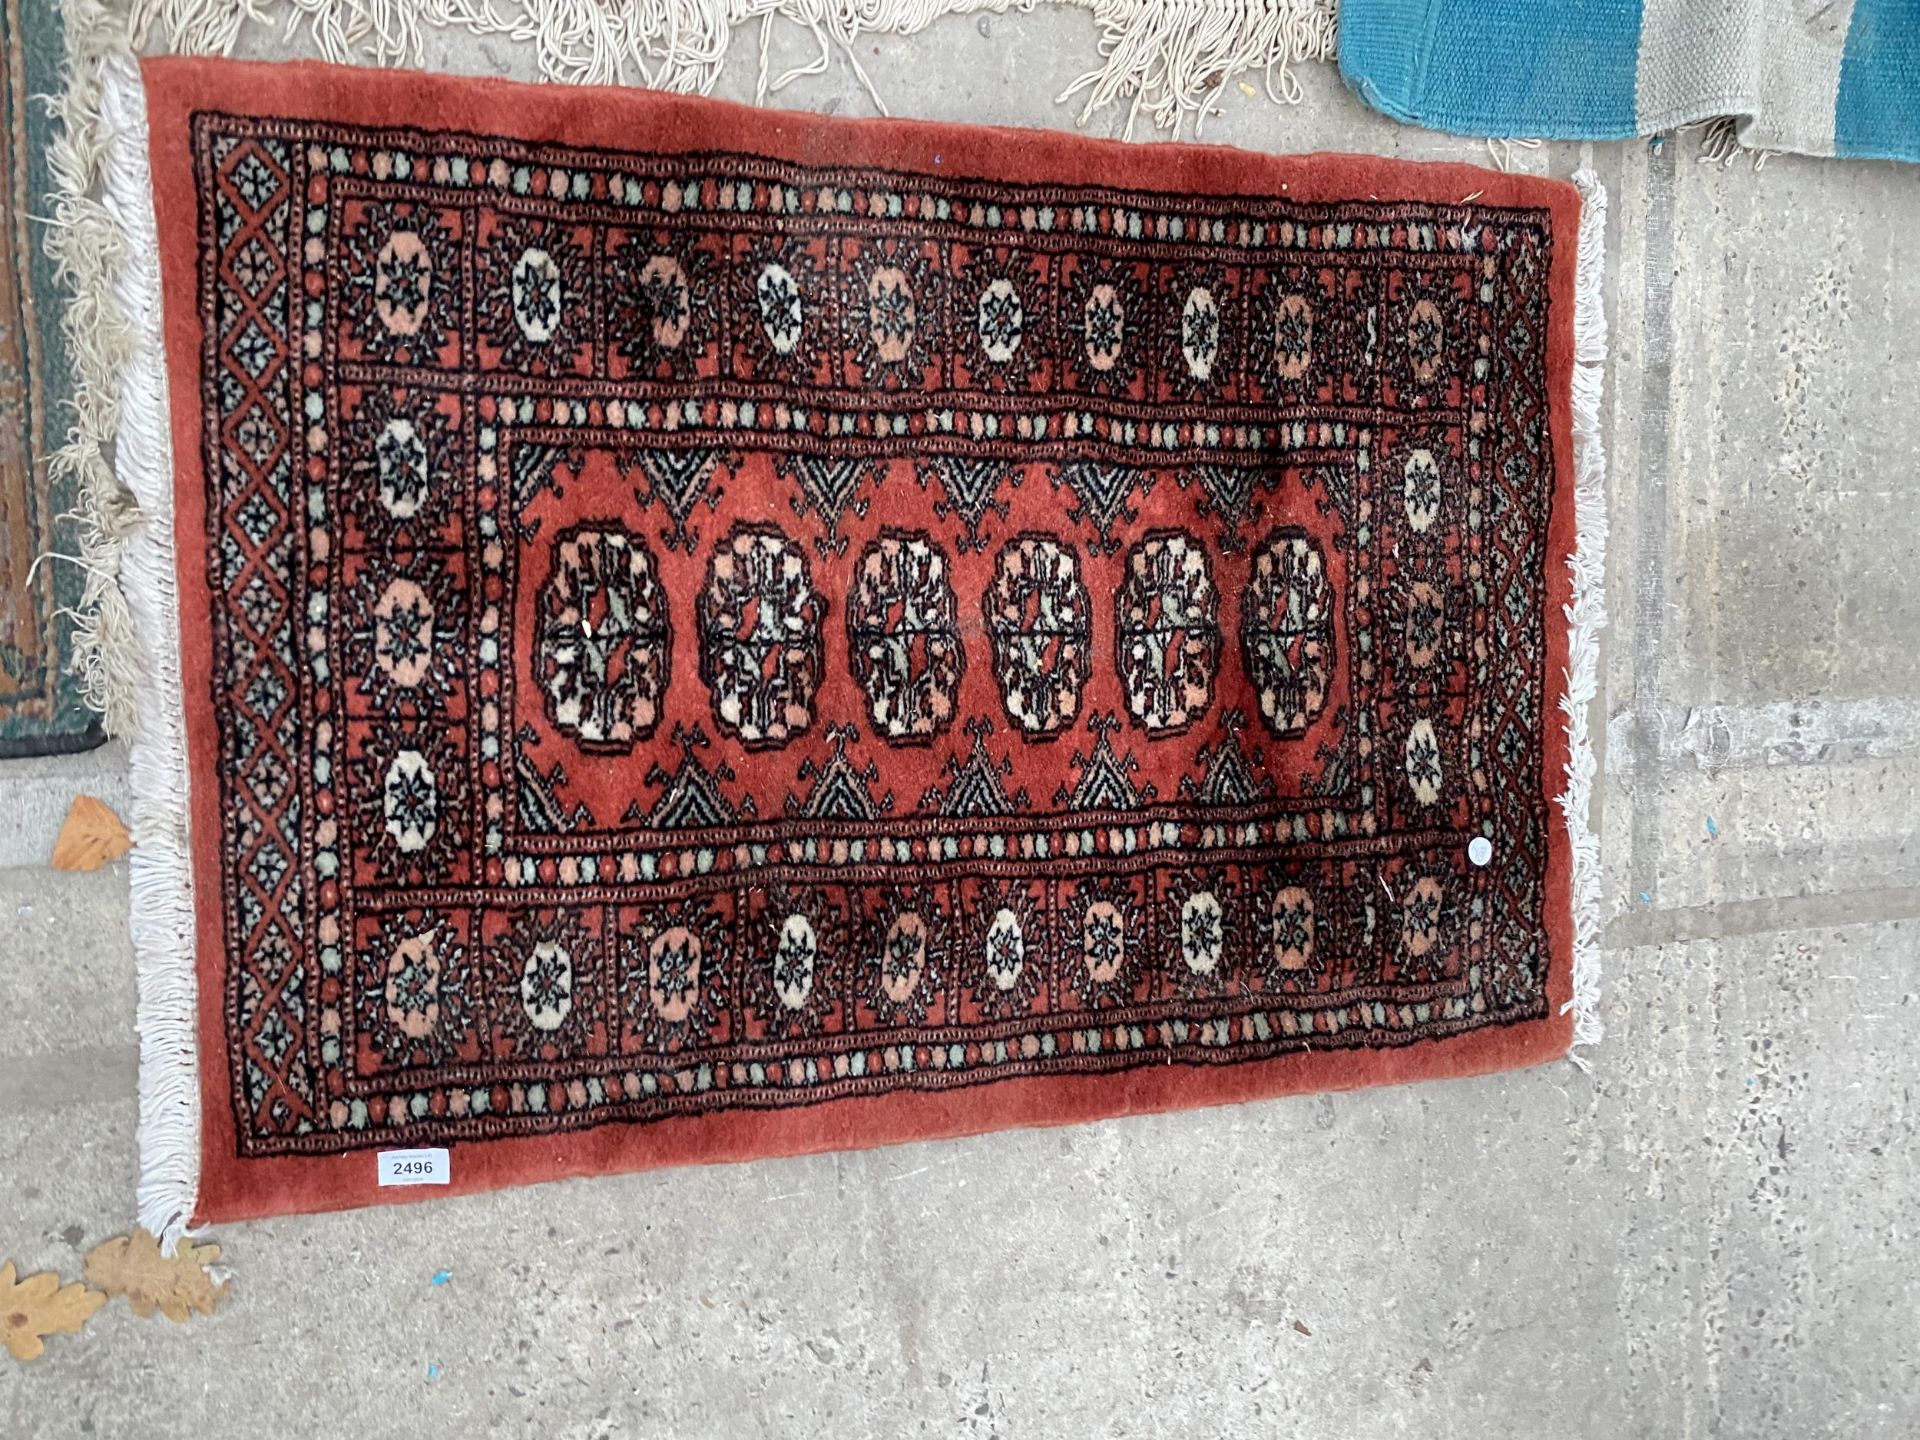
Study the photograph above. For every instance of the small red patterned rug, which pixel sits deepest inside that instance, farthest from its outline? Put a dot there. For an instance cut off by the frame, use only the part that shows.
(710, 634)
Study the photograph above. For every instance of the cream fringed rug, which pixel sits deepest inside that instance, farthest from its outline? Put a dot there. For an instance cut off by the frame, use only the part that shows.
(1163, 59)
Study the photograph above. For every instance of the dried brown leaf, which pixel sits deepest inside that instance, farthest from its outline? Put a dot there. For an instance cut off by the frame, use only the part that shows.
(176, 1285)
(39, 1306)
(91, 837)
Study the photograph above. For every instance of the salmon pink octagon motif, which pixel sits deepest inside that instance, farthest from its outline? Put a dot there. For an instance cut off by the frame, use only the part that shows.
(663, 302)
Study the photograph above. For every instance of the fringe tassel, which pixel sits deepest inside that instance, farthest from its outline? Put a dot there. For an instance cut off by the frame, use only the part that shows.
(85, 245)
(1720, 142)
(1172, 56)
(162, 879)
(1587, 611)
(1500, 151)
(1166, 58)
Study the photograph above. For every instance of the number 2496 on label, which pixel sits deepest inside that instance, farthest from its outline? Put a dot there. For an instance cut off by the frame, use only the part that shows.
(415, 1167)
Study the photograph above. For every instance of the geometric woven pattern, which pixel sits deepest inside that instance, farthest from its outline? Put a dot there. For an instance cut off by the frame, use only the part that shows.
(710, 633)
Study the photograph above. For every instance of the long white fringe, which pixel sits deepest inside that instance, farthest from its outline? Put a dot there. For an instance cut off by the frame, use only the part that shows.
(162, 880)
(1166, 59)
(84, 244)
(1587, 612)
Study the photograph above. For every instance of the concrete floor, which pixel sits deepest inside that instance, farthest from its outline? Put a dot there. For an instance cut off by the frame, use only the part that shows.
(1711, 1235)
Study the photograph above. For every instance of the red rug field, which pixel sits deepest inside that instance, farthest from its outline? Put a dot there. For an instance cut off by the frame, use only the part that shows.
(710, 634)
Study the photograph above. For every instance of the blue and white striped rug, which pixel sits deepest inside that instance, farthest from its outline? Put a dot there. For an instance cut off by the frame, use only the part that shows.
(1841, 78)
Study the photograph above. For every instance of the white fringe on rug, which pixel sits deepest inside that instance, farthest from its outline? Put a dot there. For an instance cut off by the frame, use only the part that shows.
(1166, 59)
(162, 877)
(1587, 611)
(84, 244)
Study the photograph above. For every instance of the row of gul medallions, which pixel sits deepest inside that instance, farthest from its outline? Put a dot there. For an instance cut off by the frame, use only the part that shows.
(435, 988)
(1112, 320)
(603, 651)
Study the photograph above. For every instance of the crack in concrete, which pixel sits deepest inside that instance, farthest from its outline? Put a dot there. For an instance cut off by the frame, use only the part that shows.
(1653, 563)
(1767, 915)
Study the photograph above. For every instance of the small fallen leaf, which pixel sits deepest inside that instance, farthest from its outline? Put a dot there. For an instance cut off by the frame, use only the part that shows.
(175, 1285)
(39, 1306)
(1301, 1326)
(91, 837)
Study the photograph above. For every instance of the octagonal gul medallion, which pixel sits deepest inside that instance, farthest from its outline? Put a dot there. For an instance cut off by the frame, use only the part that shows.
(400, 463)
(1200, 333)
(605, 648)
(1202, 932)
(399, 292)
(793, 960)
(891, 315)
(667, 303)
(546, 984)
(903, 957)
(545, 975)
(1287, 631)
(1001, 320)
(1292, 339)
(537, 293)
(1104, 327)
(1006, 949)
(1290, 928)
(410, 797)
(1422, 490)
(903, 636)
(673, 979)
(403, 281)
(1040, 620)
(1104, 942)
(673, 973)
(412, 990)
(760, 644)
(781, 308)
(1169, 632)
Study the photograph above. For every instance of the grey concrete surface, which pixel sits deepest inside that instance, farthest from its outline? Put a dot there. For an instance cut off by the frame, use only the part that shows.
(1712, 1235)
(38, 792)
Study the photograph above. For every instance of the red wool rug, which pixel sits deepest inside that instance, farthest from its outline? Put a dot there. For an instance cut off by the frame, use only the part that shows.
(707, 634)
